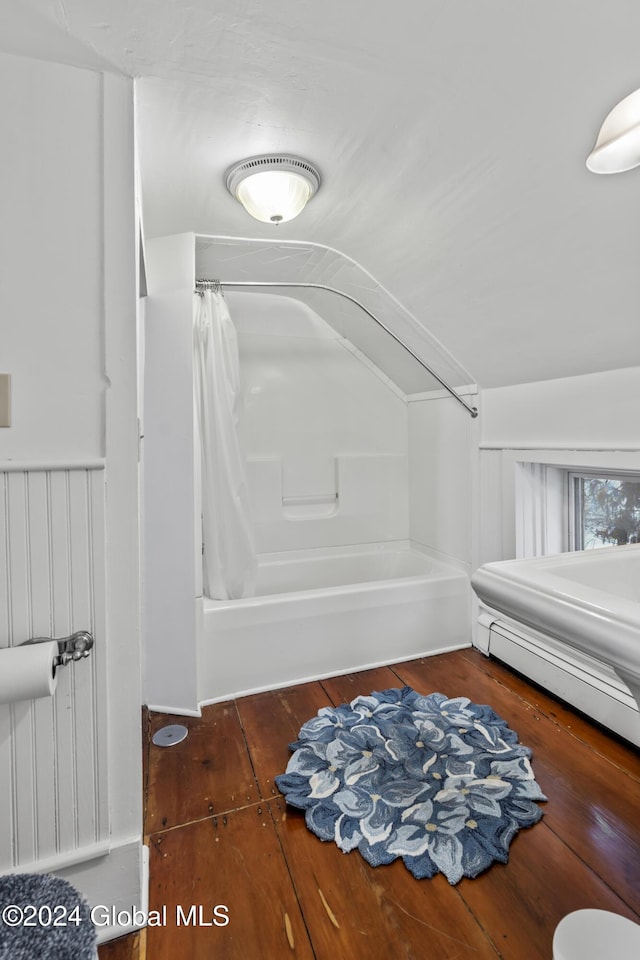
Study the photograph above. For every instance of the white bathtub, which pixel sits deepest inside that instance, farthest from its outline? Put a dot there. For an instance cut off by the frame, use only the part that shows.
(581, 610)
(319, 613)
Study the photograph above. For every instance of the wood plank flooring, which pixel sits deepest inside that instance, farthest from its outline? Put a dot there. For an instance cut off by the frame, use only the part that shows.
(220, 835)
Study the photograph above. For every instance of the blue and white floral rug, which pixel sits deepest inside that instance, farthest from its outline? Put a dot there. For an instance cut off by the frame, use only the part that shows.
(442, 783)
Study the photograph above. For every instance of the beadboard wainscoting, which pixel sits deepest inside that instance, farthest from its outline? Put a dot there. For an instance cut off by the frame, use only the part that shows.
(53, 751)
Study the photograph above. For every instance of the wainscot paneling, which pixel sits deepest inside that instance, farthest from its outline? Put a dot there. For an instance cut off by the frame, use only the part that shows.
(53, 751)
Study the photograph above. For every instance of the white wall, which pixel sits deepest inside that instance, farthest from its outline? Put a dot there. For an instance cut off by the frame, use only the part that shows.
(584, 422)
(51, 259)
(38, 33)
(171, 554)
(68, 332)
(441, 433)
(595, 410)
(324, 434)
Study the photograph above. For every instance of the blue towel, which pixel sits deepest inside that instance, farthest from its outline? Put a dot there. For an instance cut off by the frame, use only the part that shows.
(45, 917)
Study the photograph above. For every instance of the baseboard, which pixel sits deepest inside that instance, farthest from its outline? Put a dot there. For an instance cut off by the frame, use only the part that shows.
(116, 885)
(178, 711)
(577, 679)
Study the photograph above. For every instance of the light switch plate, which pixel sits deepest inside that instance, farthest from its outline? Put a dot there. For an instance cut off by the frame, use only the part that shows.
(5, 399)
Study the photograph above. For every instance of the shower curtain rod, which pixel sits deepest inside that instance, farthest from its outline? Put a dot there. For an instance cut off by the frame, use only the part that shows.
(217, 284)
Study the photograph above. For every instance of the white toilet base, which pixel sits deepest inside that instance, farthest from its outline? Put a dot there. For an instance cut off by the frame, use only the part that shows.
(596, 935)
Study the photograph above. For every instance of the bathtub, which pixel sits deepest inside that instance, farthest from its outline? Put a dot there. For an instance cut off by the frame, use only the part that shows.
(578, 613)
(319, 613)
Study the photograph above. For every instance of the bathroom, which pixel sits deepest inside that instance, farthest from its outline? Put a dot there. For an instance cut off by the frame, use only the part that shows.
(453, 205)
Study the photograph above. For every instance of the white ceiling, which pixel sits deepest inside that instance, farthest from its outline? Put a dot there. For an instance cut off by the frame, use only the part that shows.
(451, 138)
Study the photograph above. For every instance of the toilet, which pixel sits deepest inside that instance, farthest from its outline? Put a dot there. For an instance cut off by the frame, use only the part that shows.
(596, 935)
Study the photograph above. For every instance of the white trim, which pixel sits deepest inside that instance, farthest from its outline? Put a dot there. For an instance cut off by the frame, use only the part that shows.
(577, 679)
(468, 390)
(145, 879)
(117, 881)
(177, 711)
(123, 643)
(585, 668)
(62, 861)
(19, 466)
(568, 445)
(484, 624)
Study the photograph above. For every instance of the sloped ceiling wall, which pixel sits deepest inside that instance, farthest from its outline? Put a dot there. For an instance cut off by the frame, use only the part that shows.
(451, 138)
(38, 30)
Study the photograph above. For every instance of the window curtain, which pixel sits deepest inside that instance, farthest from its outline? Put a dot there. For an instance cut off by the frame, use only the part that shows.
(229, 553)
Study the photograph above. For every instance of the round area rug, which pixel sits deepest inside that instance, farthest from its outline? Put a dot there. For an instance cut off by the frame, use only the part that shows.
(442, 783)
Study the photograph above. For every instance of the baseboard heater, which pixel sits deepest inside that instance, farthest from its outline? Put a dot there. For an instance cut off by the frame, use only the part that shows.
(584, 682)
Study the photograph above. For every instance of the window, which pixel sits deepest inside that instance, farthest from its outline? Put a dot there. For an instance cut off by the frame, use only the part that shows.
(560, 501)
(605, 510)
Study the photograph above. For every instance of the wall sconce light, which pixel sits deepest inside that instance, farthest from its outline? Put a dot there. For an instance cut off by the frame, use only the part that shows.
(273, 188)
(618, 145)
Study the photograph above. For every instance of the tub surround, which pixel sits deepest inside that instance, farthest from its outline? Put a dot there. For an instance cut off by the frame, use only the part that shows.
(337, 455)
(362, 498)
(276, 259)
(341, 585)
(323, 434)
(326, 612)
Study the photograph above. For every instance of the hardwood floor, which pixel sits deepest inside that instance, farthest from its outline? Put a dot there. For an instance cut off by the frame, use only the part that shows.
(220, 835)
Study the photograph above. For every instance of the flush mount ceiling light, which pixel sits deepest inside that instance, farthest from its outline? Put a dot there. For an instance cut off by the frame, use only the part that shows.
(273, 188)
(618, 145)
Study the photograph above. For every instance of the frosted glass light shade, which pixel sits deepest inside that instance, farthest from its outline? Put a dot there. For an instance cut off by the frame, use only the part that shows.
(273, 189)
(274, 195)
(618, 145)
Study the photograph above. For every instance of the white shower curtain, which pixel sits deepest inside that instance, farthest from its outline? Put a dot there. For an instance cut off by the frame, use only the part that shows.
(229, 552)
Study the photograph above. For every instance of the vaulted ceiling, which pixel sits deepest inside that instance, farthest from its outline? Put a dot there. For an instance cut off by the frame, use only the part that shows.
(451, 139)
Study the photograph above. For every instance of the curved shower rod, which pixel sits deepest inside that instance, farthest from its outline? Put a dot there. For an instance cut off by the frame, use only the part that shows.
(217, 284)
